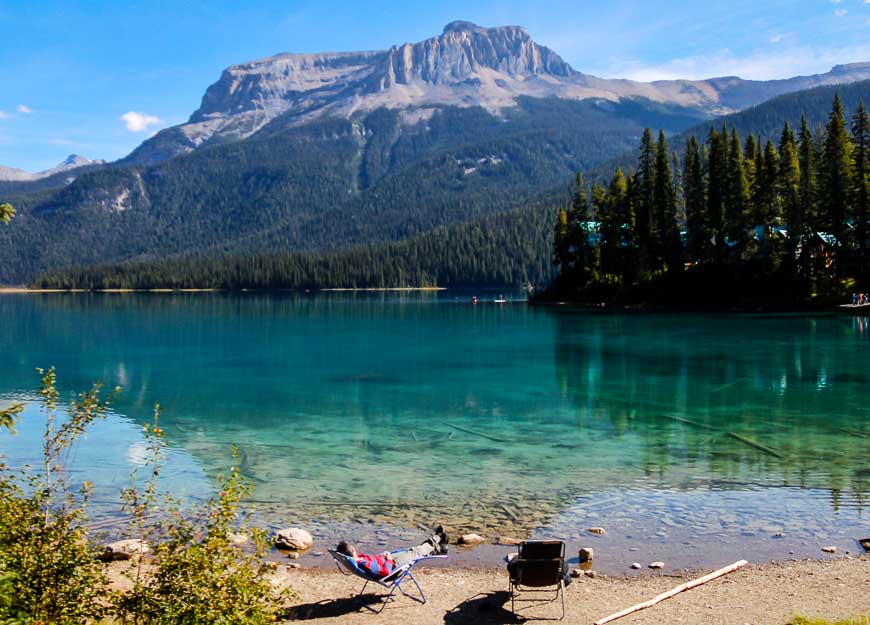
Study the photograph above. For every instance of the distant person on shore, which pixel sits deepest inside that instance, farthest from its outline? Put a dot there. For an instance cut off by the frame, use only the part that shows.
(385, 563)
(854, 299)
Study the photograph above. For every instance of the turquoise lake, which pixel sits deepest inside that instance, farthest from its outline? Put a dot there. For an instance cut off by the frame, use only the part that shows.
(693, 439)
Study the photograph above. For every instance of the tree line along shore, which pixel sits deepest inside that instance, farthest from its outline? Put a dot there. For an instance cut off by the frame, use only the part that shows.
(732, 220)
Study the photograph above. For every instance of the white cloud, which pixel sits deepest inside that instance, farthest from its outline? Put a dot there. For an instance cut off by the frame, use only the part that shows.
(23, 108)
(139, 122)
(3, 114)
(840, 12)
(775, 38)
(762, 64)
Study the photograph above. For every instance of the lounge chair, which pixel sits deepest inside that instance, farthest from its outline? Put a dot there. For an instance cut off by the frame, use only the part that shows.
(539, 568)
(393, 581)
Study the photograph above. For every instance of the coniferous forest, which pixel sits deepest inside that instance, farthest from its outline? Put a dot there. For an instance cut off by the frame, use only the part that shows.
(732, 221)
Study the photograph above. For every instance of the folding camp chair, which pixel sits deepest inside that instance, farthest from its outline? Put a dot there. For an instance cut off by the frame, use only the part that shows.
(539, 566)
(393, 581)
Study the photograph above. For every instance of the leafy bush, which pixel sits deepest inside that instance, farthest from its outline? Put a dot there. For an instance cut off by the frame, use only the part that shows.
(48, 573)
(47, 570)
(198, 575)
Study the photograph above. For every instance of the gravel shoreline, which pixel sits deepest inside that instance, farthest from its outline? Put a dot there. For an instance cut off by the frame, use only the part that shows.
(760, 594)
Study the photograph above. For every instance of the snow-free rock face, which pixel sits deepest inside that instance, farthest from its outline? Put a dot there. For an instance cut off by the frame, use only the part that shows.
(466, 65)
(73, 161)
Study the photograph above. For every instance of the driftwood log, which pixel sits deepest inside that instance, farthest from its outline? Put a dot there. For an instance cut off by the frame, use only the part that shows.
(675, 591)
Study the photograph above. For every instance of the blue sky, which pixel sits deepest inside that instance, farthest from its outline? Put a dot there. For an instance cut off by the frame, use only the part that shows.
(71, 71)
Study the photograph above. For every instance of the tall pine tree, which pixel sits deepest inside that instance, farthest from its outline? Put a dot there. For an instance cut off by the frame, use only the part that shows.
(861, 187)
(697, 237)
(789, 189)
(737, 199)
(717, 189)
(835, 182)
(645, 199)
(668, 244)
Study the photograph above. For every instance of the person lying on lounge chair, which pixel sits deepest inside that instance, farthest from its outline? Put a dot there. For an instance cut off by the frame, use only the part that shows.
(383, 564)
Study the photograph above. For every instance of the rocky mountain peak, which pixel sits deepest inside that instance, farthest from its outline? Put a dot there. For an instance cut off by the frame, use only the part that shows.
(465, 51)
(460, 26)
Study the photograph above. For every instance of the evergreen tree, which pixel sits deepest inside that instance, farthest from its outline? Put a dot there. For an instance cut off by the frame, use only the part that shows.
(789, 189)
(751, 178)
(737, 198)
(807, 191)
(697, 237)
(835, 182)
(614, 224)
(861, 186)
(645, 199)
(717, 181)
(580, 254)
(669, 248)
(560, 240)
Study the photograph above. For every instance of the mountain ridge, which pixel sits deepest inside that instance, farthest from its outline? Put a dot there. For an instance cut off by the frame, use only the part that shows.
(73, 161)
(466, 65)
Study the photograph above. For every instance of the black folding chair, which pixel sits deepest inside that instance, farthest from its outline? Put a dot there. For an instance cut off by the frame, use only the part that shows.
(539, 568)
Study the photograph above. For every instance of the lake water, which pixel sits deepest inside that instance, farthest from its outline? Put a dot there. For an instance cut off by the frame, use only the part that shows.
(691, 439)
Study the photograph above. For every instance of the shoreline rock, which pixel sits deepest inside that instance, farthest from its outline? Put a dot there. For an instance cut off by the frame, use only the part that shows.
(124, 550)
(293, 538)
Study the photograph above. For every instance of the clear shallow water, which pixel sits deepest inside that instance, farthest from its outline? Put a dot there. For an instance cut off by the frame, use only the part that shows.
(689, 438)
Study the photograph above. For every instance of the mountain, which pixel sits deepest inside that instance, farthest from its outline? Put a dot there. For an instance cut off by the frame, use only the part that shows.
(324, 152)
(73, 161)
(464, 66)
(496, 249)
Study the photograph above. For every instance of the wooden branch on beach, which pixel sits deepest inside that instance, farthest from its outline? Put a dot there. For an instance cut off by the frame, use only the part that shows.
(752, 443)
(481, 434)
(675, 591)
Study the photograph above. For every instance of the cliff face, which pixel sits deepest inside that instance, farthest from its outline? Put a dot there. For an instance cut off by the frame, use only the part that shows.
(466, 65)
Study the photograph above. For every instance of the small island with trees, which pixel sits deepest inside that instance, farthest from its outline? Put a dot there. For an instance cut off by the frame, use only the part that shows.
(735, 223)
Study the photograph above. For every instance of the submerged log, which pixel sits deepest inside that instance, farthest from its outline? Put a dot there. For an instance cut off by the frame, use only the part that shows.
(674, 591)
(481, 434)
(752, 443)
(703, 426)
(853, 433)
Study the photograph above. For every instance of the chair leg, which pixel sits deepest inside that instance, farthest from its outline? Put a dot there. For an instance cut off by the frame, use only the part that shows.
(386, 599)
(422, 596)
(562, 593)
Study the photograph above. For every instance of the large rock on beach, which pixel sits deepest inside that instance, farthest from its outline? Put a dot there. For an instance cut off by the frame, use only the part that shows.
(294, 539)
(124, 550)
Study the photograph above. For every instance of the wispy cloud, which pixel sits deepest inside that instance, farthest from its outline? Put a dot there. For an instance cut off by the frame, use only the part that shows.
(765, 64)
(139, 122)
(775, 38)
(4, 115)
(841, 12)
(23, 108)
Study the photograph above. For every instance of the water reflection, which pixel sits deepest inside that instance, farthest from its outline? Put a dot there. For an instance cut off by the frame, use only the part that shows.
(748, 399)
(413, 409)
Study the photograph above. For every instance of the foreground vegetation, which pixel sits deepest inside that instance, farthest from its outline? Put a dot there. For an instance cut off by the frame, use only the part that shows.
(193, 575)
(738, 218)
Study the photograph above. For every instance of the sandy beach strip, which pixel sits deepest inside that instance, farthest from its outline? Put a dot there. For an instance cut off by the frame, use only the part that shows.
(761, 594)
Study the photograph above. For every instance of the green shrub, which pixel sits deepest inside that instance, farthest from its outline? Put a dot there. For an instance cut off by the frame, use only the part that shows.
(197, 575)
(48, 571)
